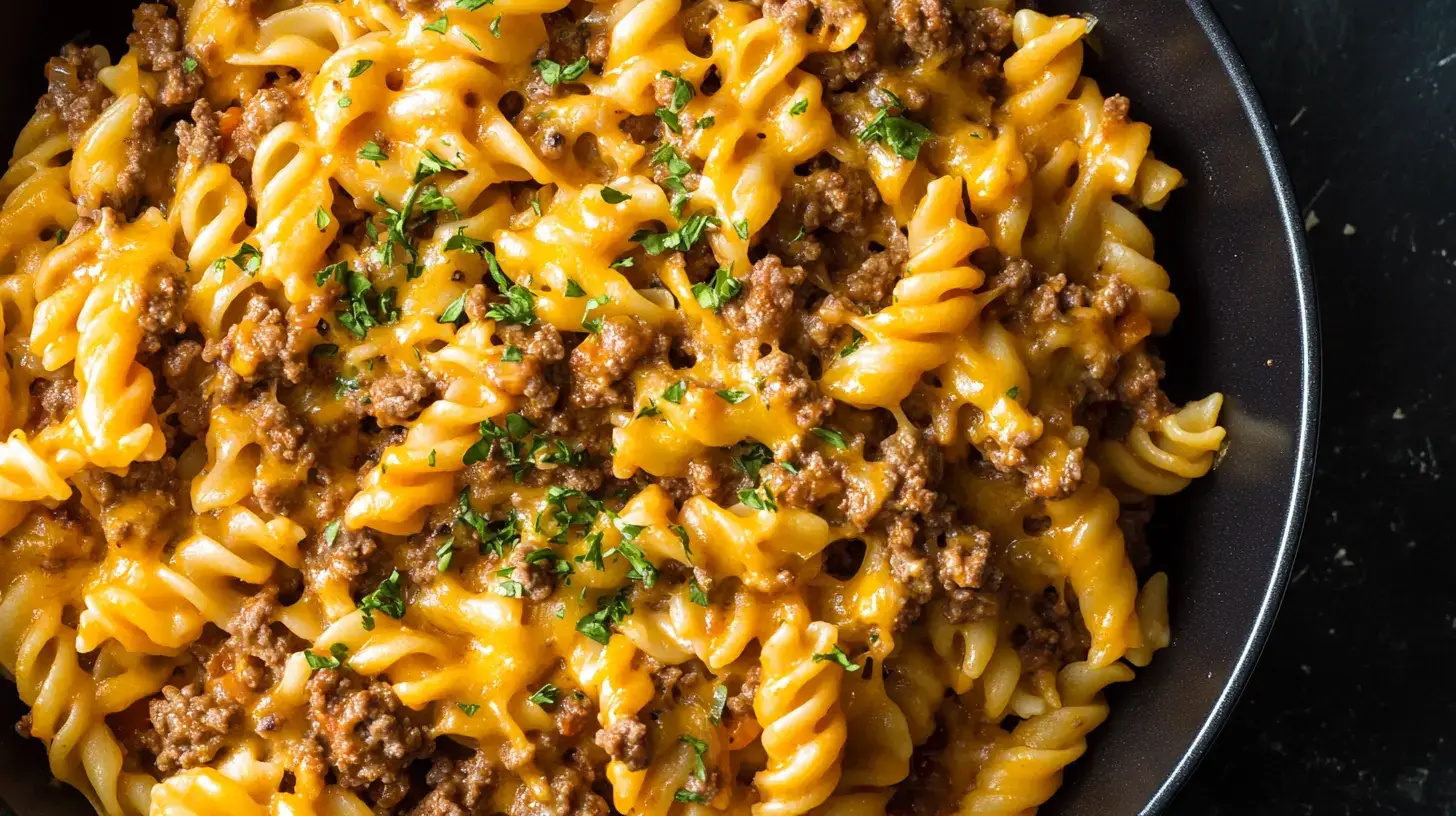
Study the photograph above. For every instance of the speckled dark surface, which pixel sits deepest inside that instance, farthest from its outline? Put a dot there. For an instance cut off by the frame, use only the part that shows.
(1349, 711)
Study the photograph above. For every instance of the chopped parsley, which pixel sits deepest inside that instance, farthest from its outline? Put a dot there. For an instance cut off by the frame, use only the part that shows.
(1014, 392)
(386, 599)
(188, 65)
(371, 151)
(733, 396)
(740, 226)
(837, 655)
(338, 653)
(468, 708)
(622, 262)
(833, 437)
(707, 122)
(512, 354)
(454, 313)
(247, 258)
(752, 499)
(612, 609)
(365, 308)
(612, 195)
(439, 25)
(445, 553)
(573, 289)
(429, 165)
(472, 5)
(722, 288)
(674, 392)
(902, 135)
(511, 589)
(520, 305)
(648, 410)
(696, 593)
(754, 456)
(700, 748)
(460, 242)
(544, 696)
(681, 239)
(854, 343)
(798, 108)
(554, 73)
(495, 27)
(682, 93)
(360, 67)
(594, 324)
(321, 219)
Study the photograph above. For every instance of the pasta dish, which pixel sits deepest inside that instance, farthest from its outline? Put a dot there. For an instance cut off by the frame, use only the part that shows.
(446, 407)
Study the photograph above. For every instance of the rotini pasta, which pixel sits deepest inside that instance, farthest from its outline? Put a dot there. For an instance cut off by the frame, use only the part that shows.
(643, 407)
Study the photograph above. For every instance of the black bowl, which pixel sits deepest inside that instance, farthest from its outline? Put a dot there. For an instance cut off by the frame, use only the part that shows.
(1233, 243)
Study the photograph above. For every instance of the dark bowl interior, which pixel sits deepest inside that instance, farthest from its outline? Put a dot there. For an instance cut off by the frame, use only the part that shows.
(1232, 242)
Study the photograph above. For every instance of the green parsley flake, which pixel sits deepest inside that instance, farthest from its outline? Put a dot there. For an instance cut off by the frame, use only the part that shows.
(386, 599)
(855, 340)
(798, 108)
(1014, 392)
(833, 437)
(554, 73)
(360, 67)
(445, 553)
(573, 289)
(439, 25)
(614, 196)
(837, 655)
(454, 313)
(371, 151)
(733, 395)
(902, 135)
(321, 219)
(468, 708)
(544, 696)
(717, 292)
(674, 392)
(472, 5)
(338, 653)
(512, 354)
(752, 499)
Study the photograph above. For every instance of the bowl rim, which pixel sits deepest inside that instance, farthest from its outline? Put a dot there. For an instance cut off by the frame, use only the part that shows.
(1306, 445)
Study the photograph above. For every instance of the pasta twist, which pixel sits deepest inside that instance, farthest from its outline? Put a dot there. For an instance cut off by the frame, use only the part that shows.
(1181, 447)
(1087, 543)
(157, 608)
(933, 307)
(804, 726)
(39, 651)
(397, 493)
(1024, 771)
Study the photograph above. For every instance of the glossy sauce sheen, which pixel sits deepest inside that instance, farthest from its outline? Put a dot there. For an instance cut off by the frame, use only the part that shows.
(622, 407)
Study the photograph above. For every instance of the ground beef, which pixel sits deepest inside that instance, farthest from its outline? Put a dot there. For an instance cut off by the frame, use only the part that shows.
(641, 128)
(571, 795)
(713, 474)
(57, 538)
(1137, 388)
(765, 308)
(738, 710)
(140, 144)
(1055, 637)
(188, 726)
(626, 741)
(1055, 479)
(458, 787)
(51, 400)
(152, 490)
(915, 463)
(264, 110)
(354, 557)
(603, 359)
(837, 199)
(800, 15)
(162, 311)
(816, 479)
(925, 25)
(396, 398)
(537, 579)
(184, 381)
(768, 303)
(74, 93)
(259, 652)
(571, 39)
(784, 379)
(368, 737)
(967, 575)
(574, 714)
(264, 342)
(908, 564)
(156, 39)
(199, 141)
(873, 279)
(284, 435)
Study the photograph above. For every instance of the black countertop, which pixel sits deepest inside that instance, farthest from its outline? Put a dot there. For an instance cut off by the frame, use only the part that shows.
(1350, 711)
